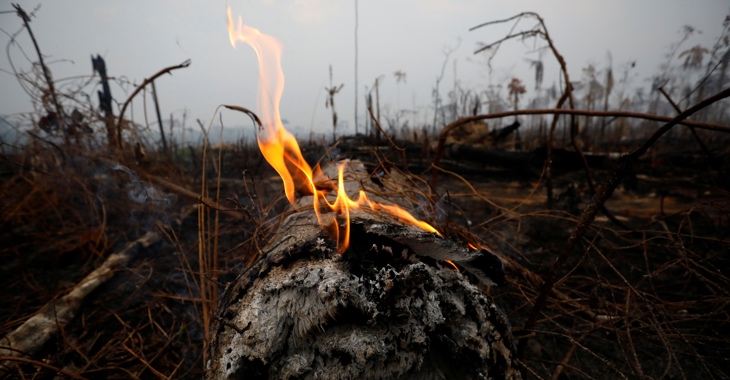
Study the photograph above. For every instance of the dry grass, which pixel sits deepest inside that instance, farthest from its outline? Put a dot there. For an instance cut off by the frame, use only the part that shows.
(59, 220)
(649, 302)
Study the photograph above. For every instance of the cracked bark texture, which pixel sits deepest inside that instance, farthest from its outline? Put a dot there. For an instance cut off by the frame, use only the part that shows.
(378, 311)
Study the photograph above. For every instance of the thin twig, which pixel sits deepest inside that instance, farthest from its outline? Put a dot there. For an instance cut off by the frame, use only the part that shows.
(390, 140)
(542, 31)
(41, 364)
(207, 202)
(248, 112)
(568, 355)
(549, 143)
(710, 156)
(56, 147)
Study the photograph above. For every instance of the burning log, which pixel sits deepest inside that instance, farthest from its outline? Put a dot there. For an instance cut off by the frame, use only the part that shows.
(352, 289)
(391, 305)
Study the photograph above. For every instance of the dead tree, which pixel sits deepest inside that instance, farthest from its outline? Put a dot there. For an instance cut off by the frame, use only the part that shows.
(105, 100)
(388, 307)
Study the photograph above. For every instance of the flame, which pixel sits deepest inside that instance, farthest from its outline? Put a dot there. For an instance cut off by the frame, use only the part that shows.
(452, 264)
(278, 146)
(282, 152)
(477, 247)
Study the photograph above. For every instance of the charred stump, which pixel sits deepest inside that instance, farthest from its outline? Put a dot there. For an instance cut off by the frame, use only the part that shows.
(388, 307)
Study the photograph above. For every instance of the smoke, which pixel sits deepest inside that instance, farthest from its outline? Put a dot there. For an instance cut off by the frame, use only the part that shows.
(438, 213)
(141, 192)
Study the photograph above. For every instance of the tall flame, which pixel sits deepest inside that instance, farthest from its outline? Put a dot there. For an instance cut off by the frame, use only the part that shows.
(278, 146)
(282, 152)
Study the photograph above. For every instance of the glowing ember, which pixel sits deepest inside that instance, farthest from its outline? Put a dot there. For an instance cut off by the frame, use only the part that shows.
(281, 149)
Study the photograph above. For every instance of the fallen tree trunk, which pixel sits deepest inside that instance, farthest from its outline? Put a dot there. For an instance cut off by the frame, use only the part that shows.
(388, 307)
(532, 161)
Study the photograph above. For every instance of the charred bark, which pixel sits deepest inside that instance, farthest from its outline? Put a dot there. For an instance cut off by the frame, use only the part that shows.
(527, 162)
(388, 307)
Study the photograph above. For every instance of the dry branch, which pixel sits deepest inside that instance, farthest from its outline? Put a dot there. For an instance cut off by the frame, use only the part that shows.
(387, 307)
(190, 194)
(35, 332)
(46, 73)
(542, 31)
(710, 157)
(138, 89)
(635, 115)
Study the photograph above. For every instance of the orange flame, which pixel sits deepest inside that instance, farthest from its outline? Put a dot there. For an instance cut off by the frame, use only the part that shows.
(282, 152)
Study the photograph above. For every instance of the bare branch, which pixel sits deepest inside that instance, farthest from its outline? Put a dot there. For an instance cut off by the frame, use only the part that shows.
(635, 115)
(139, 88)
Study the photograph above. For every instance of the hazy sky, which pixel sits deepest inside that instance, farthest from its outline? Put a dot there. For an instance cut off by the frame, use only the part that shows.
(138, 38)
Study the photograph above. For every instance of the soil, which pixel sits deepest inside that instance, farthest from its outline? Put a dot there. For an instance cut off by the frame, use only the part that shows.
(649, 301)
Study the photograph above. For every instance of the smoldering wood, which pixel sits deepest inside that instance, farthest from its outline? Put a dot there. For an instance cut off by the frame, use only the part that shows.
(386, 308)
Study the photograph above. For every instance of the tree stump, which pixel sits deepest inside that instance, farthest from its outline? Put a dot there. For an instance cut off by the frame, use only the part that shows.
(388, 307)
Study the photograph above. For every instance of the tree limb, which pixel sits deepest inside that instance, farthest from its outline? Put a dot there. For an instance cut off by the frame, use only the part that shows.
(635, 115)
(138, 89)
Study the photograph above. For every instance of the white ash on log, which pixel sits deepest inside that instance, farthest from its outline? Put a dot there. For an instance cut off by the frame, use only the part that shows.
(388, 307)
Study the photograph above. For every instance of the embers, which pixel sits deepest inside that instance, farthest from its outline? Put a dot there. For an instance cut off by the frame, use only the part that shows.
(376, 245)
(369, 251)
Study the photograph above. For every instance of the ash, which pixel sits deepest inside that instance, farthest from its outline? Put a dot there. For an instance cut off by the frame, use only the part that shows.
(373, 313)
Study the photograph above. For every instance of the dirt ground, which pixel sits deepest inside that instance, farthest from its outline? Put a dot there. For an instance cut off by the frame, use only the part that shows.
(643, 299)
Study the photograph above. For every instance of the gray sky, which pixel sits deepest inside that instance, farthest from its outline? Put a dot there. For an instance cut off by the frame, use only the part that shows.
(138, 38)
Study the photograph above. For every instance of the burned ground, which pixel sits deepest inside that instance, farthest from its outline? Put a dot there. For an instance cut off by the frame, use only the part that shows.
(650, 300)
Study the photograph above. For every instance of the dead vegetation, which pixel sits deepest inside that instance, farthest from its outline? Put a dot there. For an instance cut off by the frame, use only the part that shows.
(613, 271)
